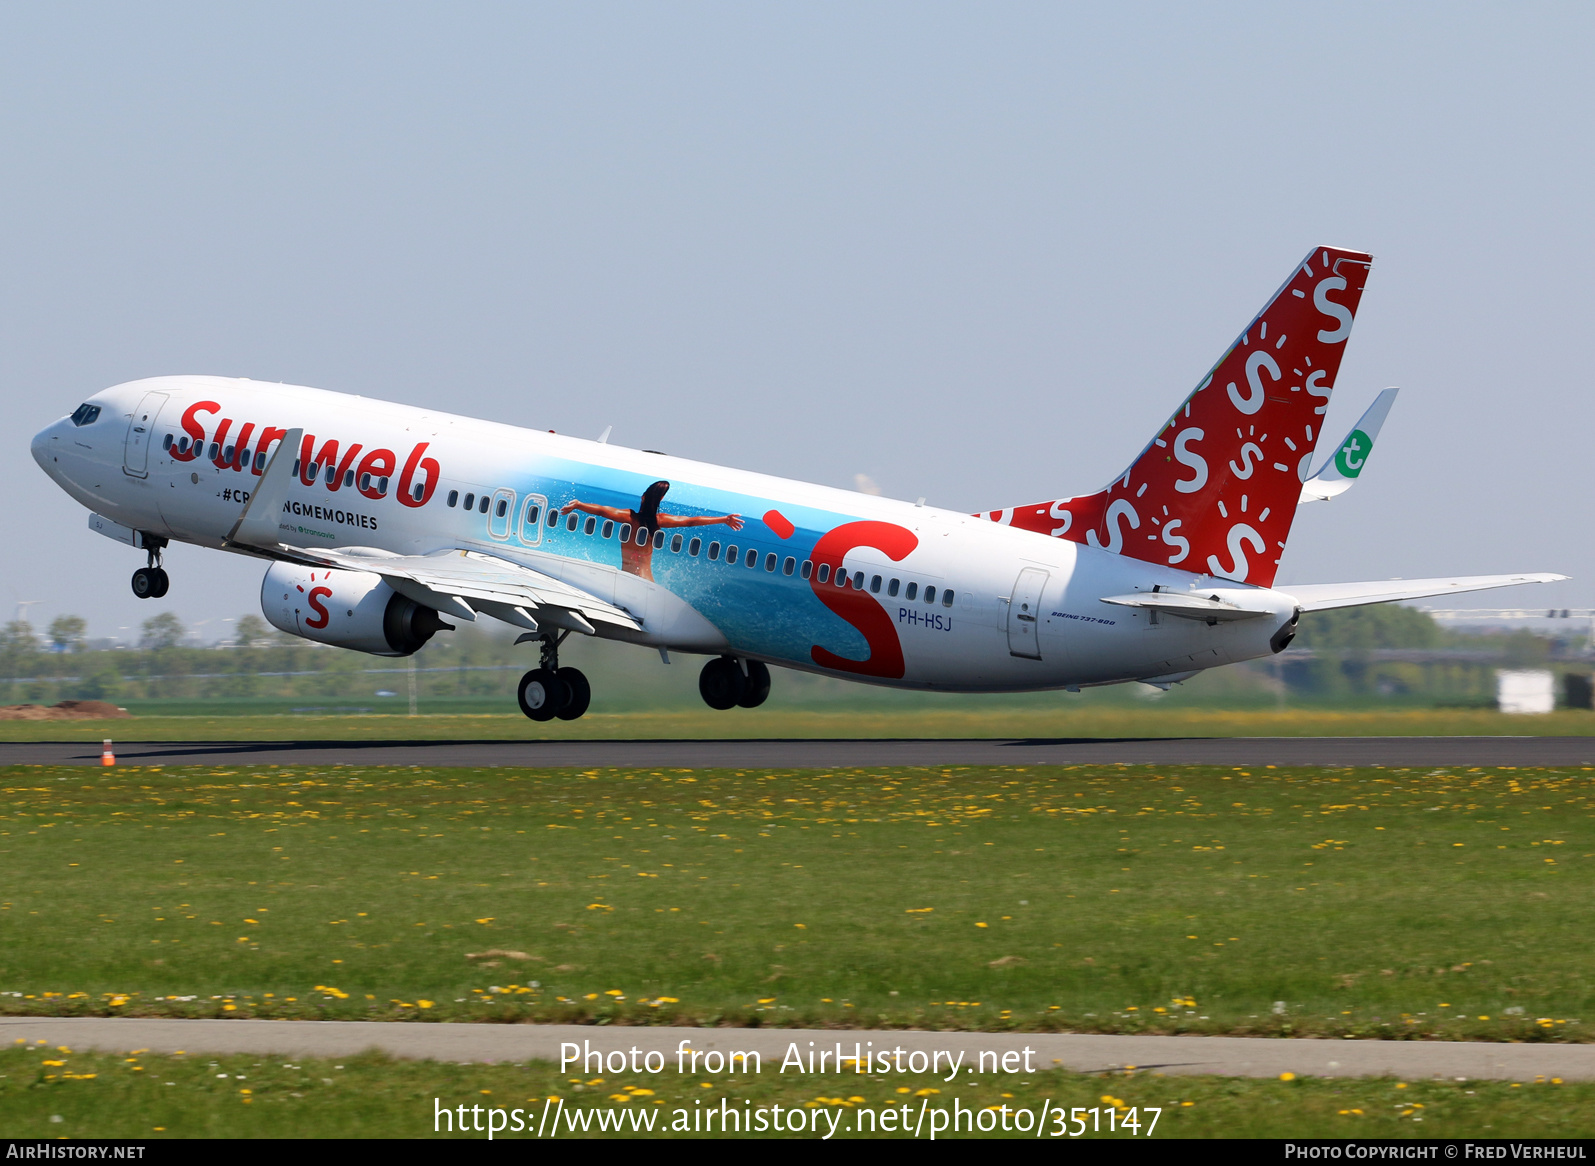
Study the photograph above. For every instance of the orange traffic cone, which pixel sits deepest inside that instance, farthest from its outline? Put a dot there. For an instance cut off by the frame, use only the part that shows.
(107, 757)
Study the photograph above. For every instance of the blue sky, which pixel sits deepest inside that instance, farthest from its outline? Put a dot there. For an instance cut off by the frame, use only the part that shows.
(975, 252)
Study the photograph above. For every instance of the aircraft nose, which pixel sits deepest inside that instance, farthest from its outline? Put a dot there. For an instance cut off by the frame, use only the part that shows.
(46, 447)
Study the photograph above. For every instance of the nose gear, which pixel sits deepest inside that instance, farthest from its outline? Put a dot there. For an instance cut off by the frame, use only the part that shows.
(151, 582)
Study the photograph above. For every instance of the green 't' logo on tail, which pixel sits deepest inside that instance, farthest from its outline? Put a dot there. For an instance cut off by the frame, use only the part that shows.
(1353, 455)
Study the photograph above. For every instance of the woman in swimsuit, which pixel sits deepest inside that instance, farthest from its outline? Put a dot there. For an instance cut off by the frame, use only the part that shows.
(637, 552)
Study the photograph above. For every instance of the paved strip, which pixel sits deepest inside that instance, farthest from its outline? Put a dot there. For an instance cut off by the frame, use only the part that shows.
(1080, 1052)
(814, 754)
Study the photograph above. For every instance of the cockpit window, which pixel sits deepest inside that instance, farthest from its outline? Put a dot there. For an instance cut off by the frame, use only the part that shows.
(85, 414)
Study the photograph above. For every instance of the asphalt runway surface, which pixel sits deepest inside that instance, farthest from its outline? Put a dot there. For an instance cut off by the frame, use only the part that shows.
(1079, 1052)
(1395, 752)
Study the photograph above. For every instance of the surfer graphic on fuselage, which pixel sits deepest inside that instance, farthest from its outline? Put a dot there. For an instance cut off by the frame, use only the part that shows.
(641, 524)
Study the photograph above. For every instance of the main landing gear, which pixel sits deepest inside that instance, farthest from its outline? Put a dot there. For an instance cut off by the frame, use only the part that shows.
(151, 582)
(550, 691)
(727, 682)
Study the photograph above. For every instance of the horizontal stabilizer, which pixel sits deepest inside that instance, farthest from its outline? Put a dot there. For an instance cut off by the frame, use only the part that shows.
(1351, 455)
(1207, 608)
(1324, 596)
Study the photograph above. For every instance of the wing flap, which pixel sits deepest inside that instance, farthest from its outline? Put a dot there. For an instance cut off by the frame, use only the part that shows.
(454, 580)
(1325, 596)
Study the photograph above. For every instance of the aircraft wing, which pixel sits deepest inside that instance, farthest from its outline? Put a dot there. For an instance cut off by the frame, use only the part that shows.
(1323, 596)
(1351, 455)
(460, 583)
(463, 583)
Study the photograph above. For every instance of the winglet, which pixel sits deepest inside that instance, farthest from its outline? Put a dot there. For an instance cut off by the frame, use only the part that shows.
(1351, 455)
(257, 524)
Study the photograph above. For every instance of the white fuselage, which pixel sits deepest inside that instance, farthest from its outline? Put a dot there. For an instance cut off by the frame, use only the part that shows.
(129, 465)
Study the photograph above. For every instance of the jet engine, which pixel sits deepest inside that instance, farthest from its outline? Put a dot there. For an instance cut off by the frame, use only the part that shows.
(348, 609)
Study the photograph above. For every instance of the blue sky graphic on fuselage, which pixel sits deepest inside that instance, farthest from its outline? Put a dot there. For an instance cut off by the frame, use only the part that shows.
(773, 614)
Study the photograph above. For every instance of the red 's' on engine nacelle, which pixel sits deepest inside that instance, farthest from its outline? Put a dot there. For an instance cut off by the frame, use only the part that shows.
(348, 609)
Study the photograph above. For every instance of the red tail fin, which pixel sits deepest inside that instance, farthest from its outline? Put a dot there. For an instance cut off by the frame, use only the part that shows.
(1215, 492)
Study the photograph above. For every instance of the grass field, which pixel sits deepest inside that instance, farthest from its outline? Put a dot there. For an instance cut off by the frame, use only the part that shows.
(1335, 902)
(970, 718)
(52, 1092)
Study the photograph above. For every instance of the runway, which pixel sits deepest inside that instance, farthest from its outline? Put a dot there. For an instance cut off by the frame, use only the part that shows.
(1395, 752)
(1078, 1052)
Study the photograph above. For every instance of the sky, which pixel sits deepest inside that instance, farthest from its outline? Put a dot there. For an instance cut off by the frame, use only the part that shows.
(974, 253)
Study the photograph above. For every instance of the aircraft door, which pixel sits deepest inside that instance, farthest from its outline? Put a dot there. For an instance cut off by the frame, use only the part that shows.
(1023, 609)
(140, 432)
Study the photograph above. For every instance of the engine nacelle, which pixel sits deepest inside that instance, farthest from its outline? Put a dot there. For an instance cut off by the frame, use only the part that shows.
(348, 609)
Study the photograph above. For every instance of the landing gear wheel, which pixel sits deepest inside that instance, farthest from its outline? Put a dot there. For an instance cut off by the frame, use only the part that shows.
(720, 683)
(580, 693)
(162, 583)
(542, 694)
(755, 686)
(145, 582)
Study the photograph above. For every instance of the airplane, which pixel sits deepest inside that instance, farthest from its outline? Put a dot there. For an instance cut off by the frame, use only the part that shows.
(381, 522)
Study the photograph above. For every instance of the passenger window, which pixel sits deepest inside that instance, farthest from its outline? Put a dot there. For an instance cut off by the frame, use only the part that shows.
(571, 520)
(365, 481)
(675, 544)
(694, 547)
(589, 526)
(382, 488)
(348, 480)
(296, 467)
(481, 504)
(875, 585)
(625, 532)
(825, 572)
(891, 588)
(228, 452)
(930, 593)
(808, 567)
(659, 540)
(260, 459)
(166, 442)
(420, 489)
(454, 499)
(841, 578)
(531, 514)
(642, 536)
(732, 554)
(913, 590)
(769, 562)
(947, 598)
(858, 580)
(313, 472)
(470, 501)
(789, 566)
(182, 447)
(714, 551)
(752, 559)
(215, 451)
(553, 515)
(609, 529)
